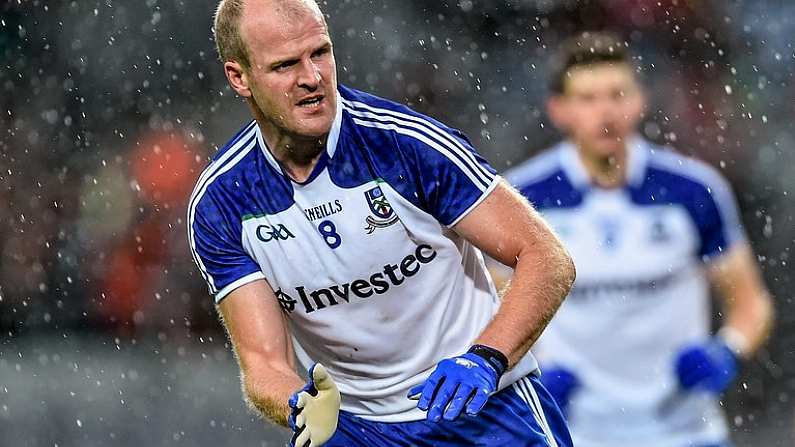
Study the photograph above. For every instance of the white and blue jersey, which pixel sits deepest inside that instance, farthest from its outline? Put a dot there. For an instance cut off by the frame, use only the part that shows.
(641, 292)
(373, 282)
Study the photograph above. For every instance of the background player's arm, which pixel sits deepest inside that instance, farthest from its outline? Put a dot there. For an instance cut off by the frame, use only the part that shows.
(256, 326)
(748, 307)
(507, 228)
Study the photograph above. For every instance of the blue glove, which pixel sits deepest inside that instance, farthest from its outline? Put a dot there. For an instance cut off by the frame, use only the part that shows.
(461, 383)
(710, 366)
(561, 383)
(314, 409)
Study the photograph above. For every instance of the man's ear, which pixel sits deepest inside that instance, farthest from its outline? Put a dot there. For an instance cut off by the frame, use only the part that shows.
(237, 77)
(556, 109)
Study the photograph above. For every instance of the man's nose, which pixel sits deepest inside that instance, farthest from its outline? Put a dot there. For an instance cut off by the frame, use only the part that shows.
(607, 108)
(309, 75)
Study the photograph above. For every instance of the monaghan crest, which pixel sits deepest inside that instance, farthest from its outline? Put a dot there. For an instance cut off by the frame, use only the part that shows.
(380, 207)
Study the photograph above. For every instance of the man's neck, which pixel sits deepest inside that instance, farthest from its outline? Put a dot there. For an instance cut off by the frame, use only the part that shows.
(605, 171)
(297, 156)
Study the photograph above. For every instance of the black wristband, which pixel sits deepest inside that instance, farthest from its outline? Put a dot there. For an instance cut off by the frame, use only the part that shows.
(496, 359)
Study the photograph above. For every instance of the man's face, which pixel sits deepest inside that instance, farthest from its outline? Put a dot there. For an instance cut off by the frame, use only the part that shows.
(599, 108)
(292, 75)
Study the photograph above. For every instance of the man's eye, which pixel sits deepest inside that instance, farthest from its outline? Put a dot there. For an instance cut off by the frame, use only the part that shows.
(284, 65)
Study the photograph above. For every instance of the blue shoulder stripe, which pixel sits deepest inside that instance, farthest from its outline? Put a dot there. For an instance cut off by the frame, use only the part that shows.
(708, 178)
(228, 151)
(535, 170)
(238, 149)
(425, 131)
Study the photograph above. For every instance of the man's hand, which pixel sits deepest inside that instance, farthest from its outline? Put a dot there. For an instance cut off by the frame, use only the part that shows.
(314, 409)
(710, 366)
(458, 383)
(561, 383)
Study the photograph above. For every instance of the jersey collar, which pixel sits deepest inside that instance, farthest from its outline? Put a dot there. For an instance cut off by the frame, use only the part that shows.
(637, 161)
(334, 133)
(331, 142)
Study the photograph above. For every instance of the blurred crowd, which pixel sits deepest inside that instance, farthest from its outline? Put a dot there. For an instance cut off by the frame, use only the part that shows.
(110, 110)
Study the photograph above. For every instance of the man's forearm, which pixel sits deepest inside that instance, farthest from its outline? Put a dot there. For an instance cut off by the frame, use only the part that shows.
(267, 393)
(748, 306)
(542, 278)
(748, 326)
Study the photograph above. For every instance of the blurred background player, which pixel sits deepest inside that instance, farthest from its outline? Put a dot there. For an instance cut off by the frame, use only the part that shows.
(344, 229)
(629, 355)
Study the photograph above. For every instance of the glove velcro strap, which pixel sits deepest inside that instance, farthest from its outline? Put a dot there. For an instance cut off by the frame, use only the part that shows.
(493, 357)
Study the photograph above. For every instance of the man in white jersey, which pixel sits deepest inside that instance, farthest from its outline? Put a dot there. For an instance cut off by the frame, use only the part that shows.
(344, 229)
(629, 355)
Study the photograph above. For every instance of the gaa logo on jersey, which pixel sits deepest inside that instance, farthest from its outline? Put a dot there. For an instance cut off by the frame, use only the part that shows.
(279, 232)
(379, 205)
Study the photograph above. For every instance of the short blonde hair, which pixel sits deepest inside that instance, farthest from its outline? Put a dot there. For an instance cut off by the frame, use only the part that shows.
(226, 26)
(226, 31)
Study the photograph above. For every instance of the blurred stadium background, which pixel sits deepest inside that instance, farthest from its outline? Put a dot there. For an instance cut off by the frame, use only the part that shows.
(110, 110)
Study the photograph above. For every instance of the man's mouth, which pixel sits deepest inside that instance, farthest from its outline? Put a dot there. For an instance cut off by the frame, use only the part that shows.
(311, 101)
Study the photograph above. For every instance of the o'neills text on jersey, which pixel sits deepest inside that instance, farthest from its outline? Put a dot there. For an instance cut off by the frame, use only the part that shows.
(378, 283)
(324, 210)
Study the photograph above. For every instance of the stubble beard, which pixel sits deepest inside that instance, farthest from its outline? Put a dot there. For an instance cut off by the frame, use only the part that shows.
(286, 143)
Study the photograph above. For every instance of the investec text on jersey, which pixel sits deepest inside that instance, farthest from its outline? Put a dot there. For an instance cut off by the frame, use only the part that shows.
(377, 283)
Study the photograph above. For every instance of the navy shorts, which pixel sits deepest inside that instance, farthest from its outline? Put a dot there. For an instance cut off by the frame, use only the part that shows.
(522, 414)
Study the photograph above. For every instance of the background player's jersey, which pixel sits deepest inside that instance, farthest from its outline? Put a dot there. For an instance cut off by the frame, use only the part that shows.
(641, 292)
(371, 279)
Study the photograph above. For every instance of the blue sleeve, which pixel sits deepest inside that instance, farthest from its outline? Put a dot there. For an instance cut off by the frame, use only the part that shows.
(451, 176)
(717, 218)
(215, 242)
